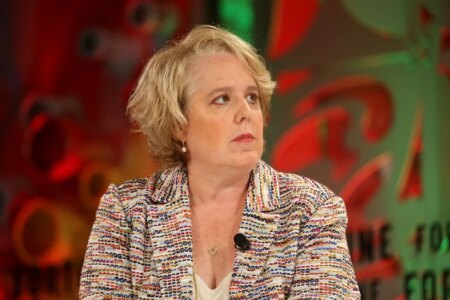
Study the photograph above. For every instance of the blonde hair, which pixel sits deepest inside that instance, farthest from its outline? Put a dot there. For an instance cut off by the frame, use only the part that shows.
(157, 105)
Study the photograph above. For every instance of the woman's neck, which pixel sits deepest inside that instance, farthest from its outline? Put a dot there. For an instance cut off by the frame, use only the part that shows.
(211, 187)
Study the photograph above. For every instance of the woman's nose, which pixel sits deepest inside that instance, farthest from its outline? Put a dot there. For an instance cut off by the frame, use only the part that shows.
(243, 110)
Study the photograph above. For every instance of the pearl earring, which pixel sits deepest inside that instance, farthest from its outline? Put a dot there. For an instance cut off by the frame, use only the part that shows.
(183, 148)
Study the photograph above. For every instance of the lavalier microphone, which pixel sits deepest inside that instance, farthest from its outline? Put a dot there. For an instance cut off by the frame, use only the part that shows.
(241, 242)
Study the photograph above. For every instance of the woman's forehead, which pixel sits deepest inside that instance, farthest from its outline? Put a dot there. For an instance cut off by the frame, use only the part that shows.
(213, 68)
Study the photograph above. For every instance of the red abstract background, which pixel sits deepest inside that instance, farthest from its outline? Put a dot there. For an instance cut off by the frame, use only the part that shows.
(362, 105)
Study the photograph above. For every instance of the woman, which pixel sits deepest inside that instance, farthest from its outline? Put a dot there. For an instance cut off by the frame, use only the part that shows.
(202, 102)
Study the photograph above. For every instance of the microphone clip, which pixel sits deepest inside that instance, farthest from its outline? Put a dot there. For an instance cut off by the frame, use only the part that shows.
(241, 242)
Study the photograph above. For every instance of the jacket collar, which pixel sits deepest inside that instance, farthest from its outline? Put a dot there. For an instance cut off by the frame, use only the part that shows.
(263, 191)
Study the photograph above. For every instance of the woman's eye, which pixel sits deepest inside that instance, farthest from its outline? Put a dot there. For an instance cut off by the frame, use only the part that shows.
(252, 98)
(221, 100)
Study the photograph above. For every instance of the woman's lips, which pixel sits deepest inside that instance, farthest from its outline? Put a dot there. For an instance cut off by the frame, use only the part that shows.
(244, 138)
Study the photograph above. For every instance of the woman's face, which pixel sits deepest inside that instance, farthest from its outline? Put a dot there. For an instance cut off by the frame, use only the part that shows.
(225, 122)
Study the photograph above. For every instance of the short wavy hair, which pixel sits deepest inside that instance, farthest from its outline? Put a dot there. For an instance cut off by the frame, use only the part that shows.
(157, 106)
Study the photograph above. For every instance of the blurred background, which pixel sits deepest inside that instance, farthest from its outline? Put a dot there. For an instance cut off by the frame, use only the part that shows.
(362, 105)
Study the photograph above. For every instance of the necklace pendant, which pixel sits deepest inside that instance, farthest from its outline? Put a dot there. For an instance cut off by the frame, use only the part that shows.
(213, 250)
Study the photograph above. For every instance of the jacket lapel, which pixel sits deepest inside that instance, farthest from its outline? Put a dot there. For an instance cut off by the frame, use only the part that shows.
(170, 232)
(259, 228)
(259, 224)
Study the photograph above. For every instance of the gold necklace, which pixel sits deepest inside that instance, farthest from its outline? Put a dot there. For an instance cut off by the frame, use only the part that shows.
(213, 250)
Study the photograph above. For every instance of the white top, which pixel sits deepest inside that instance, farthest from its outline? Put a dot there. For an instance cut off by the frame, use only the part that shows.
(221, 292)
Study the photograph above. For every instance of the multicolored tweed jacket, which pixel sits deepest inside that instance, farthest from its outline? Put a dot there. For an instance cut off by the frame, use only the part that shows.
(141, 242)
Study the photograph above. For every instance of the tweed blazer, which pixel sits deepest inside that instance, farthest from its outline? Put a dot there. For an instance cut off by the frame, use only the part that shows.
(141, 241)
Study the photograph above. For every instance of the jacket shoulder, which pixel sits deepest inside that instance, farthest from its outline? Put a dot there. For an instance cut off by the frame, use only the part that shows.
(132, 189)
(305, 193)
(153, 189)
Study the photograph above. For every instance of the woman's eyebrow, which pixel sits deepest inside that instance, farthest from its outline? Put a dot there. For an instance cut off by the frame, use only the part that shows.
(219, 89)
(250, 88)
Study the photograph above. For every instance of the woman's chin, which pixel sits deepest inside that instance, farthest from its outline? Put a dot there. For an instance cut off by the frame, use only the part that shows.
(249, 159)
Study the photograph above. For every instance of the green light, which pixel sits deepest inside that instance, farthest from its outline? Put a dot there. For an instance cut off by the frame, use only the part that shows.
(413, 285)
(444, 246)
(238, 17)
